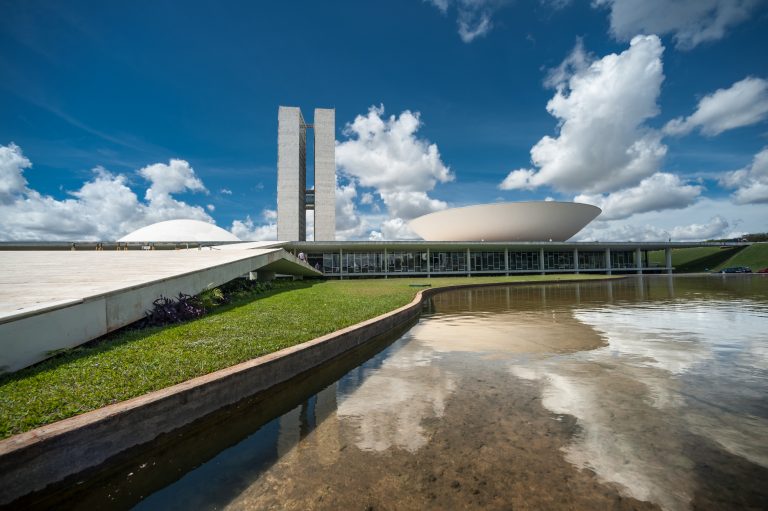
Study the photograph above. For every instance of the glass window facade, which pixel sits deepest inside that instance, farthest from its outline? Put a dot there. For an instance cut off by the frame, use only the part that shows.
(487, 261)
(362, 262)
(401, 262)
(448, 261)
(415, 261)
(329, 262)
(524, 261)
(332, 262)
(591, 260)
(315, 260)
(558, 260)
(624, 259)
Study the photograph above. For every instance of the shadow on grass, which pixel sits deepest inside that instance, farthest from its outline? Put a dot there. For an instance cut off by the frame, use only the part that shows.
(131, 333)
(708, 262)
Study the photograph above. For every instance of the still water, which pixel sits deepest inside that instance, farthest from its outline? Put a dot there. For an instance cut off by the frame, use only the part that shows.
(643, 393)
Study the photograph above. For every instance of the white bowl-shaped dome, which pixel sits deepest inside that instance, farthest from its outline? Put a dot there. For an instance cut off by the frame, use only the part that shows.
(506, 221)
(180, 231)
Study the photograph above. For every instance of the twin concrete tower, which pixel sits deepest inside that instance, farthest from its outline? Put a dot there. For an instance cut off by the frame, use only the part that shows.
(293, 197)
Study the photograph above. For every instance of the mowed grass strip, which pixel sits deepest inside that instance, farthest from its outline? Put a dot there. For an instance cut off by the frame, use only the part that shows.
(695, 259)
(755, 256)
(130, 363)
(699, 259)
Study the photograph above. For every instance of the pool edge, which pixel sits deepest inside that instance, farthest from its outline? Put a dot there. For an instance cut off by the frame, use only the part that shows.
(32, 460)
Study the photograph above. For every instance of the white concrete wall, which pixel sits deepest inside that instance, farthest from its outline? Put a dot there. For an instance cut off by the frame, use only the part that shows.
(325, 174)
(35, 338)
(37, 333)
(291, 174)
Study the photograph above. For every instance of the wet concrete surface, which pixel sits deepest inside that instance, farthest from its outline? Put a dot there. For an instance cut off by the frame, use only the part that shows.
(648, 393)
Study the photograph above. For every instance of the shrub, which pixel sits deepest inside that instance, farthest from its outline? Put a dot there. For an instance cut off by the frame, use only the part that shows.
(213, 297)
(168, 310)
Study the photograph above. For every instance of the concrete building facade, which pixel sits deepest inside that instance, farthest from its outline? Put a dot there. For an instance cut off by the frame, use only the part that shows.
(506, 221)
(417, 258)
(325, 174)
(293, 197)
(291, 174)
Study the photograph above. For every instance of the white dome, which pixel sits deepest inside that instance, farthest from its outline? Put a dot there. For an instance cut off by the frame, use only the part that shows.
(180, 231)
(506, 221)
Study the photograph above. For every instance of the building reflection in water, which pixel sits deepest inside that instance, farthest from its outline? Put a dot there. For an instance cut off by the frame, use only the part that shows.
(297, 424)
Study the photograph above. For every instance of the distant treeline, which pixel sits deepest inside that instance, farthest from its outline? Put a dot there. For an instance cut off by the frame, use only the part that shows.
(760, 236)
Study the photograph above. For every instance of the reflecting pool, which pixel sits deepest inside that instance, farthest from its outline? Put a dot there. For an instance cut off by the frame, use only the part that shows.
(641, 393)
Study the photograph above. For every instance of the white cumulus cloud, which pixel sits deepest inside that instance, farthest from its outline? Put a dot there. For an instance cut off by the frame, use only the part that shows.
(659, 192)
(349, 224)
(742, 104)
(715, 228)
(397, 229)
(751, 182)
(175, 177)
(690, 22)
(248, 230)
(366, 198)
(576, 62)
(387, 155)
(520, 179)
(706, 218)
(410, 204)
(603, 143)
(12, 165)
(104, 208)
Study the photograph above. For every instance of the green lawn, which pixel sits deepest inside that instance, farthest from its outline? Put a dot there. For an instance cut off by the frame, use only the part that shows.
(129, 363)
(688, 260)
(755, 256)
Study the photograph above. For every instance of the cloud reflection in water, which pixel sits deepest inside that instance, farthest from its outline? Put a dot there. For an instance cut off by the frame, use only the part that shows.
(664, 377)
(388, 408)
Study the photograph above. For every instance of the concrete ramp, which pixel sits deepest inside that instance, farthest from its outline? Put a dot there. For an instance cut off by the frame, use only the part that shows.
(55, 300)
(251, 245)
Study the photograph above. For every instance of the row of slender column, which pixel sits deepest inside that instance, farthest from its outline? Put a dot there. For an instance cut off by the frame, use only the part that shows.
(608, 267)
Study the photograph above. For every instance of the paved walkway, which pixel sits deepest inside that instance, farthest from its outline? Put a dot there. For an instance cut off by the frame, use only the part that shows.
(31, 280)
(59, 299)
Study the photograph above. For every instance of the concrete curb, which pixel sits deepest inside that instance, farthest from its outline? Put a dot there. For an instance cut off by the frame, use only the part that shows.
(32, 460)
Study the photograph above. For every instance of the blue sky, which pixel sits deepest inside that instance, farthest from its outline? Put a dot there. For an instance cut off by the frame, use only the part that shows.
(116, 115)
